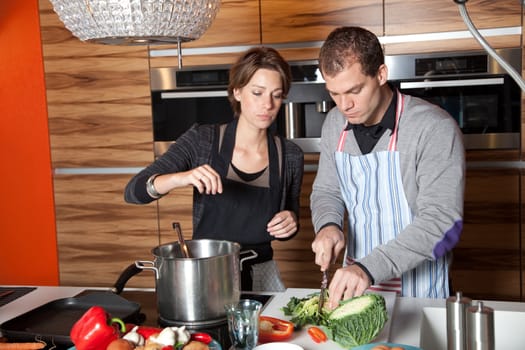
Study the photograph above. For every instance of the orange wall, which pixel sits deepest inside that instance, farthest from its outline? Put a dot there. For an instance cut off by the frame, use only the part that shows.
(28, 249)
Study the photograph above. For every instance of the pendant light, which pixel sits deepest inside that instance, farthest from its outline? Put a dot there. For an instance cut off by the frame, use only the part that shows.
(137, 22)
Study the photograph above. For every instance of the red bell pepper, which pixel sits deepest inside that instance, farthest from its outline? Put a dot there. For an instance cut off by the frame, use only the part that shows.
(273, 329)
(95, 329)
(317, 334)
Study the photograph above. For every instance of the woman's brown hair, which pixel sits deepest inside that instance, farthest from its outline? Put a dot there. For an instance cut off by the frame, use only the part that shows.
(251, 61)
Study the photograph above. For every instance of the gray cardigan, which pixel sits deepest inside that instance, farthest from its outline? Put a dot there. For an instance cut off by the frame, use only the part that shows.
(432, 159)
(194, 148)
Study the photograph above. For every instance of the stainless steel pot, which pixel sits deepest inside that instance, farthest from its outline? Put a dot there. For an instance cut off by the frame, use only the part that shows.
(196, 289)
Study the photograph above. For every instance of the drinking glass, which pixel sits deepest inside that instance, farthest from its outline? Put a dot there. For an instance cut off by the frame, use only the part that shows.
(243, 323)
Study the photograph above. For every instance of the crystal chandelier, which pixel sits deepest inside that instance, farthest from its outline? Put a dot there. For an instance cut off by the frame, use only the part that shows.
(137, 22)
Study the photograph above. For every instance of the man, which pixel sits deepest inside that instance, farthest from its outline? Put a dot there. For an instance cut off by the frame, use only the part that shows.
(397, 164)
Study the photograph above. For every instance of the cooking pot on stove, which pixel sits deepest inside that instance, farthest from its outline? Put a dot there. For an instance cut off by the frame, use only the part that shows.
(193, 289)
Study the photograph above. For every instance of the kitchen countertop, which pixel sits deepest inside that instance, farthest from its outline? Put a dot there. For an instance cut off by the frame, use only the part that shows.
(405, 316)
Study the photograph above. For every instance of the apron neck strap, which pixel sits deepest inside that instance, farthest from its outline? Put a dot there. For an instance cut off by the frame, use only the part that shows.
(392, 145)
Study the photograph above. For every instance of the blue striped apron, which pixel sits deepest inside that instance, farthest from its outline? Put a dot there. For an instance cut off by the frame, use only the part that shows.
(372, 189)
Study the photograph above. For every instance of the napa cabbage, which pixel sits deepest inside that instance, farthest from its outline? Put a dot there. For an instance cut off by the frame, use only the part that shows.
(357, 321)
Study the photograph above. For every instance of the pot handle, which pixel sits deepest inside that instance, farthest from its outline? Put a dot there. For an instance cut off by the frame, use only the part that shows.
(129, 272)
(140, 265)
(249, 257)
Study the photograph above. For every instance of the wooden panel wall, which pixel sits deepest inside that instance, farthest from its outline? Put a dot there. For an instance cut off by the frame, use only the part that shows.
(486, 262)
(444, 16)
(237, 23)
(98, 99)
(98, 234)
(99, 117)
(291, 21)
(423, 16)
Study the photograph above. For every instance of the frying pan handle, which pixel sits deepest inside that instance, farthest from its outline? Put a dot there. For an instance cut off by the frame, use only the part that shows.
(249, 257)
(129, 272)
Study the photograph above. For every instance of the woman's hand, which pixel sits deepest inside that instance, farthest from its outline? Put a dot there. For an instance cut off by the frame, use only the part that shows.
(204, 178)
(283, 224)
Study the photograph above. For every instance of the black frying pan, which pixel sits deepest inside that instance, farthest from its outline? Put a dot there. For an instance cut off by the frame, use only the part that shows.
(53, 321)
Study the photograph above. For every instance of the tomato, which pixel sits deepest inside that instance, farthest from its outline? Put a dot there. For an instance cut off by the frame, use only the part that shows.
(317, 334)
(273, 329)
(202, 337)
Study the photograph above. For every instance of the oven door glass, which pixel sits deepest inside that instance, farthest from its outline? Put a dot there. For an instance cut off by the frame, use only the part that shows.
(176, 112)
(479, 105)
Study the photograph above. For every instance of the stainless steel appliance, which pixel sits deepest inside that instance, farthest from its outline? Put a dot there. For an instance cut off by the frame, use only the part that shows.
(472, 87)
(305, 107)
(181, 98)
(199, 95)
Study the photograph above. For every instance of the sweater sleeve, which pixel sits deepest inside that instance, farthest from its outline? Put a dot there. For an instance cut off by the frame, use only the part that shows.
(186, 153)
(326, 202)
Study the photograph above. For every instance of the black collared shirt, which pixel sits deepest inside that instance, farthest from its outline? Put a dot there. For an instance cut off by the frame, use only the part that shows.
(367, 136)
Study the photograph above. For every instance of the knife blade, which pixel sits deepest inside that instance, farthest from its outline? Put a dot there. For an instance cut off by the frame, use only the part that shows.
(324, 285)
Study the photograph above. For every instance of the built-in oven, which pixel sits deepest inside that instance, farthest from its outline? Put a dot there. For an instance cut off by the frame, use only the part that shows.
(191, 95)
(471, 86)
(180, 98)
(483, 99)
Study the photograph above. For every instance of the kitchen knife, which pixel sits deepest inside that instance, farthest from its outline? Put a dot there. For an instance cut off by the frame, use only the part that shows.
(324, 285)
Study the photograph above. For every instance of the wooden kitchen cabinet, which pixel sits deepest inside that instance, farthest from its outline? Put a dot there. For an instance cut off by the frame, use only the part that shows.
(294, 257)
(423, 16)
(98, 234)
(290, 21)
(486, 262)
(98, 99)
(177, 206)
(236, 23)
(99, 114)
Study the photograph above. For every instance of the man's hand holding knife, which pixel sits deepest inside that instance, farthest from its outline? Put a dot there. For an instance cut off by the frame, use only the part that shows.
(348, 281)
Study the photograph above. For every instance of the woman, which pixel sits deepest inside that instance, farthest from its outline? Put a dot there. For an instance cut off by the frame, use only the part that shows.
(246, 179)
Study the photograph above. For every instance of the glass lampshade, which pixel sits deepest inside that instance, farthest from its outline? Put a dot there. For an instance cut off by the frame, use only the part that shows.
(136, 22)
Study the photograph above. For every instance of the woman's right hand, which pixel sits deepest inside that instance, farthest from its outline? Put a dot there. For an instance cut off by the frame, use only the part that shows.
(204, 178)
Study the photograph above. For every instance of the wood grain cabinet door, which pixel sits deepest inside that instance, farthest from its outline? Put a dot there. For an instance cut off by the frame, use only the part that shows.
(236, 23)
(438, 16)
(98, 234)
(287, 21)
(423, 16)
(486, 262)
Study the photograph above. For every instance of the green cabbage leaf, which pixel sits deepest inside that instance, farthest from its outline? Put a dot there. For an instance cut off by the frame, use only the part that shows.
(356, 321)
